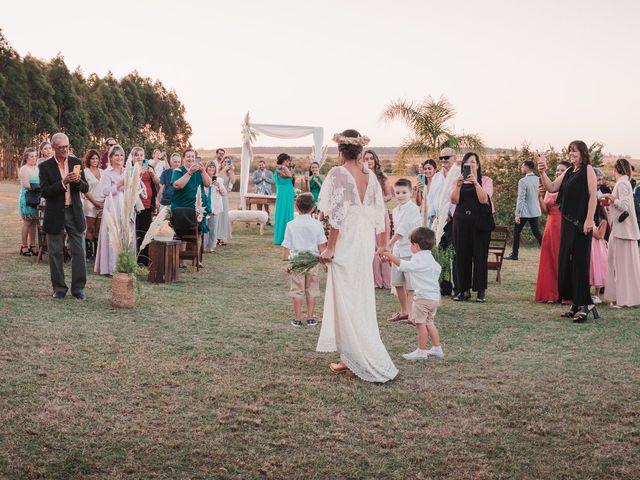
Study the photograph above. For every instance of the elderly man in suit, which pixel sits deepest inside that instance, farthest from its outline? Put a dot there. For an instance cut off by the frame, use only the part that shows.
(527, 207)
(61, 182)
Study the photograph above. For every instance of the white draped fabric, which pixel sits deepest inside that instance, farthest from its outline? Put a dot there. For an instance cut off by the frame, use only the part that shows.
(349, 322)
(251, 130)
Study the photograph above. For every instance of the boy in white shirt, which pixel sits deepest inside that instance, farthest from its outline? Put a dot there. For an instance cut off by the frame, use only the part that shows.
(304, 233)
(425, 275)
(406, 217)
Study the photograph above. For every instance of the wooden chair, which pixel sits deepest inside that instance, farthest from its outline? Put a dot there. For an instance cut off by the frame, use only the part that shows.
(497, 246)
(191, 238)
(42, 239)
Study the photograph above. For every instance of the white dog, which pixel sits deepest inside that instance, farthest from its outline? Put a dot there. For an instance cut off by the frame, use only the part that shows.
(248, 217)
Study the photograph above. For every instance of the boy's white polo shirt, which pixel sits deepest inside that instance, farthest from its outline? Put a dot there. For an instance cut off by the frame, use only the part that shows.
(424, 272)
(405, 218)
(304, 233)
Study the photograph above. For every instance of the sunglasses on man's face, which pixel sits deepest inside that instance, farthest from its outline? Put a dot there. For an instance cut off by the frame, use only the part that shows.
(446, 157)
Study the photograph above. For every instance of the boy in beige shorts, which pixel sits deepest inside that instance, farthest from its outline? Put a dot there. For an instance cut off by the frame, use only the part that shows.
(304, 233)
(424, 272)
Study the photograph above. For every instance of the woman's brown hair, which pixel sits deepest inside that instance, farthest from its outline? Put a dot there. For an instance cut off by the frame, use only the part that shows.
(88, 156)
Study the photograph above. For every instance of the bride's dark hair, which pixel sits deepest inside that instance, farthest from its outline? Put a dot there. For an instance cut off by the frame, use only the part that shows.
(350, 152)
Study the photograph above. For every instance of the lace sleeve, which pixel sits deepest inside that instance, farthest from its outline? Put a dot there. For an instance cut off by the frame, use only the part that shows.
(378, 205)
(334, 198)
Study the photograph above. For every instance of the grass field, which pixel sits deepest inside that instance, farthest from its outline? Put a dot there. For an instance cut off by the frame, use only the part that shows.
(206, 379)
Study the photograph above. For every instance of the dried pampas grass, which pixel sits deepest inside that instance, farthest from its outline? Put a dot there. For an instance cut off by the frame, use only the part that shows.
(163, 215)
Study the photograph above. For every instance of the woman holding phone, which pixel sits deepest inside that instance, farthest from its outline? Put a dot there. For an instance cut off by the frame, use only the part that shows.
(577, 199)
(227, 176)
(471, 194)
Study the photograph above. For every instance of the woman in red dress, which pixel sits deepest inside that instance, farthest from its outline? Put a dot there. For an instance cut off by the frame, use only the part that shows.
(547, 285)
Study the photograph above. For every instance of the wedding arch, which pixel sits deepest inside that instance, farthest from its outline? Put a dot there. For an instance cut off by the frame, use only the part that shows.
(250, 131)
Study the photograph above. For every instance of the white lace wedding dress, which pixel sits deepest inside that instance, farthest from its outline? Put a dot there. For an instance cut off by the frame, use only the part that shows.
(349, 322)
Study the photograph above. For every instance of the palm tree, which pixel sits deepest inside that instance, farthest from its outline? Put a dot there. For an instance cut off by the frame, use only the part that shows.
(428, 123)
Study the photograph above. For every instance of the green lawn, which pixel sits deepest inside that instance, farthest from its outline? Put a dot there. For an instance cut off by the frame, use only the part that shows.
(206, 379)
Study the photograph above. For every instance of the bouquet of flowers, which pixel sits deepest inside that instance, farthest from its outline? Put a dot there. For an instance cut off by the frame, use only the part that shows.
(302, 262)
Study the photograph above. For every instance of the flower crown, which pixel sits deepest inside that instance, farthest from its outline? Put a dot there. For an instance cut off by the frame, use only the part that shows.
(342, 140)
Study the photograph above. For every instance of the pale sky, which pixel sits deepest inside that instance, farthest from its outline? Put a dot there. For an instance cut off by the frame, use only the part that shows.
(542, 71)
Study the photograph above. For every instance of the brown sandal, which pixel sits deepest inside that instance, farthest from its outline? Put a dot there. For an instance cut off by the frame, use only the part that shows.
(340, 367)
(398, 316)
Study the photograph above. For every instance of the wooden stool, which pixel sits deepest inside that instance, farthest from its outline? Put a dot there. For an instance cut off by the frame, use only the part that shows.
(165, 261)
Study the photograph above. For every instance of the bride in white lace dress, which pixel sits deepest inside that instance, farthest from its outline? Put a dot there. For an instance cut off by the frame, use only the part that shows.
(352, 200)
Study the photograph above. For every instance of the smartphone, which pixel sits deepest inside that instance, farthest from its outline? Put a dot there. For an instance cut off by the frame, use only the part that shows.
(76, 169)
(227, 161)
(198, 160)
(145, 163)
(466, 171)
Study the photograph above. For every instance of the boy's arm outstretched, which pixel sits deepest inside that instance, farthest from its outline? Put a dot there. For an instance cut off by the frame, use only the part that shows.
(386, 253)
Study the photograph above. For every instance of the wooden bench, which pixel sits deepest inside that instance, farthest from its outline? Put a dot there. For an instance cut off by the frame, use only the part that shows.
(256, 199)
(497, 246)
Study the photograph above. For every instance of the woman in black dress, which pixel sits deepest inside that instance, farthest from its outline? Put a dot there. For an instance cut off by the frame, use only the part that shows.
(471, 195)
(577, 199)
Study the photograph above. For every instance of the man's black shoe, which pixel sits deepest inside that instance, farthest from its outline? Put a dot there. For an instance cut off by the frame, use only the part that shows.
(80, 296)
(59, 295)
(511, 257)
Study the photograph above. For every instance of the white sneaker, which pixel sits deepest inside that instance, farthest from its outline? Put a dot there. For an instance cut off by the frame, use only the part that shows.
(435, 352)
(596, 300)
(416, 355)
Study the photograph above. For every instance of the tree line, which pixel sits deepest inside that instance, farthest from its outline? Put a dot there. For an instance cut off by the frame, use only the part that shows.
(38, 98)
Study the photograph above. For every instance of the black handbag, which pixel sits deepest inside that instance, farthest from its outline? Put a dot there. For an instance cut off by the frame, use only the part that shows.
(32, 196)
(484, 219)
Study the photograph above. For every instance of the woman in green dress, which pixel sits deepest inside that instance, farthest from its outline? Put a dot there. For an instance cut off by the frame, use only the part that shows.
(284, 197)
(315, 181)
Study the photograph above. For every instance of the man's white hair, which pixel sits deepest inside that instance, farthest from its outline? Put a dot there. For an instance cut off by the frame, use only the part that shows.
(58, 136)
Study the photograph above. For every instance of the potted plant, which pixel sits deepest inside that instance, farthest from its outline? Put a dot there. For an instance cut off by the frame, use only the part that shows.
(121, 223)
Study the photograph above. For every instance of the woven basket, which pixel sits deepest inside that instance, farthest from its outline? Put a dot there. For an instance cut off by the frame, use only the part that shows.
(123, 291)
